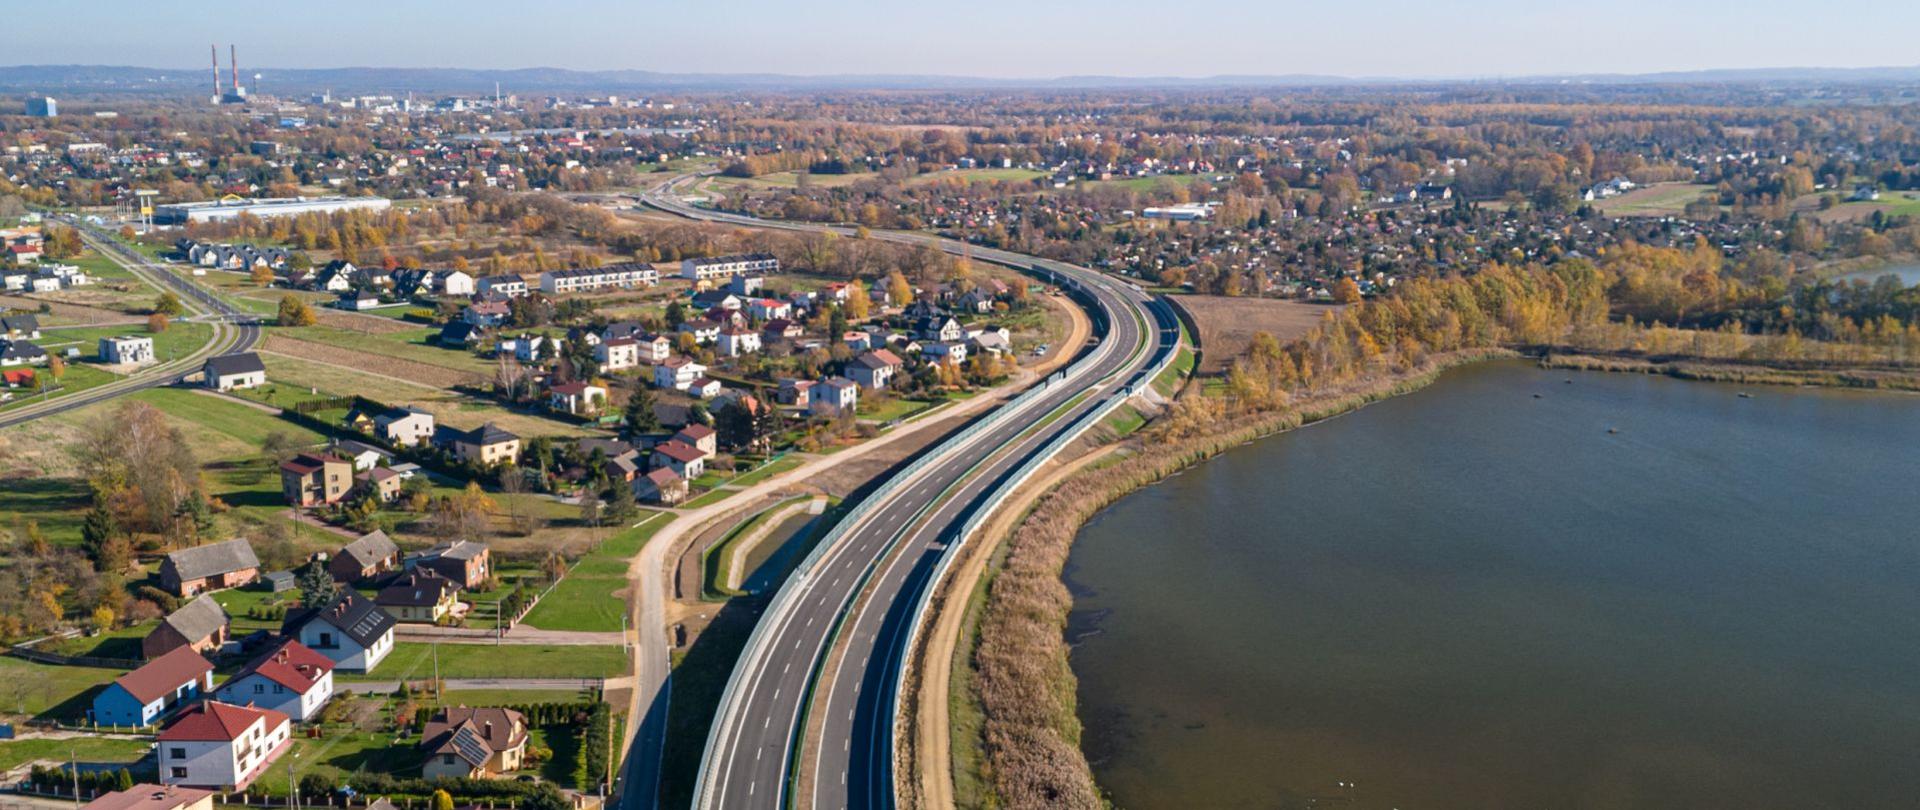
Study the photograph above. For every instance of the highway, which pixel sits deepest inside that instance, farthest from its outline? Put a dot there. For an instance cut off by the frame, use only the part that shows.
(233, 331)
(861, 588)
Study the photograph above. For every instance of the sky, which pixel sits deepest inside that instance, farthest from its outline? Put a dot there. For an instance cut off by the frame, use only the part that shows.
(986, 38)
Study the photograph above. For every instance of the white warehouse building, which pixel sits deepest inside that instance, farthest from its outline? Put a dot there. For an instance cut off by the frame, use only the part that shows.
(230, 207)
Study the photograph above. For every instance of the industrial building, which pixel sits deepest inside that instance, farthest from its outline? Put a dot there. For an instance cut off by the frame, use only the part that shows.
(42, 107)
(230, 207)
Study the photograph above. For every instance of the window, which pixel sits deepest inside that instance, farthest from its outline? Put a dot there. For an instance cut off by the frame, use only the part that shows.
(279, 689)
(179, 773)
(258, 688)
(177, 753)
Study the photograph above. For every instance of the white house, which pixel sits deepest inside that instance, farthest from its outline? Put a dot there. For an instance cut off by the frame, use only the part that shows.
(766, 309)
(677, 373)
(875, 369)
(576, 398)
(834, 396)
(735, 341)
(530, 348)
(349, 628)
(945, 352)
(589, 279)
(508, 285)
(683, 459)
(405, 426)
(758, 264)
(455, 282)
(617, 354)
(289, 679)
(229, 372)
(220, 745)
(126, 349)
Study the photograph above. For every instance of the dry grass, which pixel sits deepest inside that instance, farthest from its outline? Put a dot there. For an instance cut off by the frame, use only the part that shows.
(380, 364)
(448, 408)
(356, 322)
(1227, 325)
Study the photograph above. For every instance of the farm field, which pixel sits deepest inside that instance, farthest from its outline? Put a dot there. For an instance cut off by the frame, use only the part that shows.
(447, 407)
(1227, 325)
(977, 176)
(1657, 200)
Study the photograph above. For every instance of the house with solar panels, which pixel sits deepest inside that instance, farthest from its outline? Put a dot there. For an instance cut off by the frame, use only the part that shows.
(349, 629)
(473, 743)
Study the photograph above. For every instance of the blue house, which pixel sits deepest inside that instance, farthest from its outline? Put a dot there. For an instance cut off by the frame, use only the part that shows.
(143, 696)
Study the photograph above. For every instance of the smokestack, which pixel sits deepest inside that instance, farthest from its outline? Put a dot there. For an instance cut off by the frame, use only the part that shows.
(215, 51)
(233, 56)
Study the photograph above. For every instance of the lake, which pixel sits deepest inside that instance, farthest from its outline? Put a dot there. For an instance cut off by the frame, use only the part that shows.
(1629, 592)
(1909, 274)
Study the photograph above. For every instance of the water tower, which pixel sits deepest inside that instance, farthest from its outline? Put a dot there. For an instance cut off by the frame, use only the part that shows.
(143, 198)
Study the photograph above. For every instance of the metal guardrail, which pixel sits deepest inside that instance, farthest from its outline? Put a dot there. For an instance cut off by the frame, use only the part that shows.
(788, 594)
(992, 503)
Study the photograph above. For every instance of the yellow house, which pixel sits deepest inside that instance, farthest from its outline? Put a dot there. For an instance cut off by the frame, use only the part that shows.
(422, 596)
(474, 743)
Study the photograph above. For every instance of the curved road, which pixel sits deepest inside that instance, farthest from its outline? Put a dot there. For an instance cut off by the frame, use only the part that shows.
(234, 331)
(861, 592)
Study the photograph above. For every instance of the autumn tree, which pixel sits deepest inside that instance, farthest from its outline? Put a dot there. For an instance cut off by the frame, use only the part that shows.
(1346, 291)
(157, 323)
(859, 304)
(262, 275)
(167, 304)
(295, 312)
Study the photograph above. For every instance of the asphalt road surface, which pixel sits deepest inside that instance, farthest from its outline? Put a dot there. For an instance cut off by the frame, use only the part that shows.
(861, 592)
(234, 331)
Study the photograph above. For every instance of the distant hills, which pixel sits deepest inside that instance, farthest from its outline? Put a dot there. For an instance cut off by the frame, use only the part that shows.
(56, 79)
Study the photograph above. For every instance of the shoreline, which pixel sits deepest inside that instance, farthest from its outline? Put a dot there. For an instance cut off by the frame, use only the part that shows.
(1031, 731)
(1027, 690)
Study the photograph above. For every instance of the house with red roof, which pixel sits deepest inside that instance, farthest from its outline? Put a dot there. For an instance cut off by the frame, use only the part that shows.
(143, 696)
(290, 678)
(149, 796)
(221, 746)
(683, 459)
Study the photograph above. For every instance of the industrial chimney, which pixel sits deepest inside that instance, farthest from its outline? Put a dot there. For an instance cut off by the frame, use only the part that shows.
(214, 50)
(233, 56)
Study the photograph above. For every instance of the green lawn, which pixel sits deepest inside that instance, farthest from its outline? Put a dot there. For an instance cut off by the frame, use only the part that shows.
(718, 559)
(122, 643)
(181, 338)
(585, 599)
(508, 697)
(247, 424)
(46, 691)
(342, 752)
(892, 408)
(1124, 420)
(88, 750)
(412, 660)
(76, 379)
(765, 471)
(238, 601)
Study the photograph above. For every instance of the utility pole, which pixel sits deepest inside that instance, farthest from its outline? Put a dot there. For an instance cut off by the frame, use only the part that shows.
(73, 766)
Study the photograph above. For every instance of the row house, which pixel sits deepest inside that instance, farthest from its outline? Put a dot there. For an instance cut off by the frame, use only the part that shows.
(626, 275)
